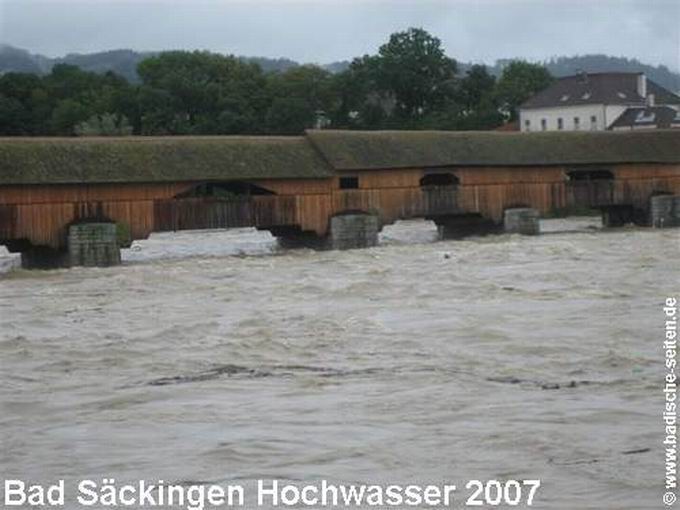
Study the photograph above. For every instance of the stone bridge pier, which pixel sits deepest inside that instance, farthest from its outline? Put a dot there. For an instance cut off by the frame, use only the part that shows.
(522, 220)
(664, 211)
(88, 244)
(346, 231)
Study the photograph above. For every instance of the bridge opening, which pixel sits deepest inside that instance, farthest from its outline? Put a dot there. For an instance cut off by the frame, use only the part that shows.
(439, 179)
(459, 226)
(232, 189)
(620, 215)
(590, 175)
(588, 188)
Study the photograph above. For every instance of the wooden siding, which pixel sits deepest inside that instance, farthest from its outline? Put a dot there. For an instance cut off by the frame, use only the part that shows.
(41, 214)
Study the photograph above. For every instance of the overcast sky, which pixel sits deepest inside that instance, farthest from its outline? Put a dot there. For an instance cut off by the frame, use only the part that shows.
(328, 30)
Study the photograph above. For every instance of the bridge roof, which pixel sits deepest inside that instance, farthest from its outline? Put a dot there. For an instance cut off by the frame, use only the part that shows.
(356, 150)
(147, 159)
(316, 156)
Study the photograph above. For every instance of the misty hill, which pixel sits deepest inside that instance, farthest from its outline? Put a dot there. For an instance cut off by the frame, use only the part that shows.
(566, 66)
(124, 62)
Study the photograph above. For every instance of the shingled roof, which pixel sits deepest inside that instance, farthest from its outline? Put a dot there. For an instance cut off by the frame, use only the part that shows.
(356, 150)
(598, 88)
(139, 159)
(662, 117)
(316, 156)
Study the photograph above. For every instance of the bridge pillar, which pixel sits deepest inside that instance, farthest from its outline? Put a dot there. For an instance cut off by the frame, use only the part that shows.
(93, 245)
(464, 225)
(353, 230)
(664, 211)
(523, 220)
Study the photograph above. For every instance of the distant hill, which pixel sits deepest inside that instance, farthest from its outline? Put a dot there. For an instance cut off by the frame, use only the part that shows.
(21, 61)
(566, 66)
(124, 63)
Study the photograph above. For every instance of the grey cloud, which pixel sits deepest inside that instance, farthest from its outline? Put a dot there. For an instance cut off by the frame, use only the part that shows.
(328, 30)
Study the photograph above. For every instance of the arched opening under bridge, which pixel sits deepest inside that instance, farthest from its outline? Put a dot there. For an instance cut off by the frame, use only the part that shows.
(226, 190)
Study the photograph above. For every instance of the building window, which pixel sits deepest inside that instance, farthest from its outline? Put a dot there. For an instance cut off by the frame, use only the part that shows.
(577, 123)
(560, 124)
(527, 125)
(593, 122)
(349, 183)
(544, 124)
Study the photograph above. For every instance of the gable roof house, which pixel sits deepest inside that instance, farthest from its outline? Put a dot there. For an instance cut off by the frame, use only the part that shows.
(601, 101)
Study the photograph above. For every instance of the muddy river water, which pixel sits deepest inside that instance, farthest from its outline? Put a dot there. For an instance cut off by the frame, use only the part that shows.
(210, 356)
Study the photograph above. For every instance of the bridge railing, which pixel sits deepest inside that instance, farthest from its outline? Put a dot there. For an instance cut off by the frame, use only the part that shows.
(207, 213)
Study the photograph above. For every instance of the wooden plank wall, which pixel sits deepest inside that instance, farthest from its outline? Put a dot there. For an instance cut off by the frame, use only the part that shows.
(490, 190)
(41, 214)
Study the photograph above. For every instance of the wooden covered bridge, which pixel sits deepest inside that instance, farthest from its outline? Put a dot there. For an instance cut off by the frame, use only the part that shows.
(330, 188)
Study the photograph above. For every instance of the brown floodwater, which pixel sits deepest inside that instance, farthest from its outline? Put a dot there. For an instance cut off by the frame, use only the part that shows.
(211, 356)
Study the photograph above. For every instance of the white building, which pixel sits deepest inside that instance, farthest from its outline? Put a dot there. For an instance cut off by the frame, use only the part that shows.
(600, 101)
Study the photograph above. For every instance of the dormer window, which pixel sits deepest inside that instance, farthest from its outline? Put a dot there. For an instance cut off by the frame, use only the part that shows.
(564, 98)
(676, 120)
(644, 116)
(621, 95)
(586, 96)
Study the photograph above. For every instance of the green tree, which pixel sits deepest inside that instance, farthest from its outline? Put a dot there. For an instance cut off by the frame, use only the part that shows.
(301, 97)
(200, 92)
(476, 87)
(25, 105)
(413, 68)
(410, 79)
(477, 105)
(519, 81)
(107, 124)
(14, 119)
(66, 115)
(359, 104)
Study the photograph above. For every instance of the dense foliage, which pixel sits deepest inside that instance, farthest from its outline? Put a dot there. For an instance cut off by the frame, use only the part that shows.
(409, 84)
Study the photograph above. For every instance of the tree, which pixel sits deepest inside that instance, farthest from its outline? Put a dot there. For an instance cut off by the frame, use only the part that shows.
(67, 114)
(201, 92)
(300, 97)
(106, 124)
(359, 103)
(478, 107)
(410, 78)
(13, 117)
(20, 98)
(476, 87)
(413, 68)
(519, 81)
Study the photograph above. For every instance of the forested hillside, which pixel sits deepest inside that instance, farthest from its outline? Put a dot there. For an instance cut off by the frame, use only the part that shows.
(410, 83)
(124, 63)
